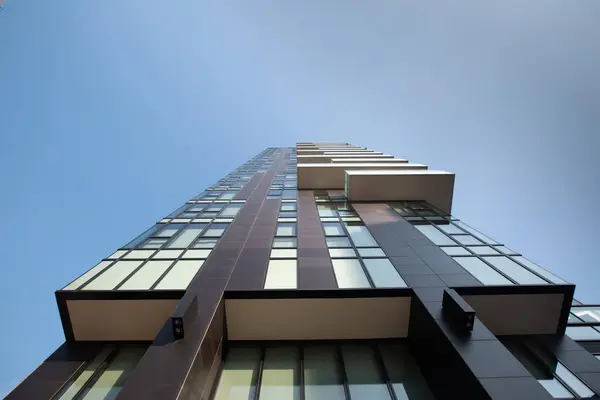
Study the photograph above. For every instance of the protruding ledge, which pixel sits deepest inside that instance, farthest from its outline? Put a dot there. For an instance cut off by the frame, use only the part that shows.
(435, 187)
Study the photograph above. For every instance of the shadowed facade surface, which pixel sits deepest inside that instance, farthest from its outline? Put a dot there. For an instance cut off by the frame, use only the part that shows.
(321, 271)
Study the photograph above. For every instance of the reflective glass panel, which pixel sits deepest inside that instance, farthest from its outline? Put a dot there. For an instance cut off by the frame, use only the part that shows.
(203, 243)
(322, 377)
(180, 276)
(112, 276)
(342, 253)
(365, 380)
(505, 250)
(483, 250)
(450, 228)
(360, 235)
(285, 242)
(404, 373)
(466, 239)
(582, 333)
(383, 273)
(483, 272)
(573, 382)
(349, 274)
(153, 243)
(88, 275)
(146, 276)
(286, 229)
(231, 210)
(239, 375)
(435, 235)
(169, 230)
(371, 252)
(70, 392)
(515, 271)
(455, 251)
(281, 274)
(333, 229)
(215, 230)
(539, 270)
(281, 375)
(283, 253)
(338, 242)
(187, 236)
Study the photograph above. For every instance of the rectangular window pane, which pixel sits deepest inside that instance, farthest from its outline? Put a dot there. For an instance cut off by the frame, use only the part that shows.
(285, 242)
(383, 273)
(215, 230)
(326, 210)
(466, 239)
(286, 229)
(404, 373)
(435, 235)
(483, 272)
(197, 254)
(113, 276)
(112, 380)
(88, 275)
(349, 274)
(552, 278)
(283, 253)
(573, 382)
(187, 236)
(197, 207)
(450, 228)
(582, 333)
(455, 251)
(483, 250)
(360, 235)
(138, 254)
(203, 243)
(71, 391)
(180, 276)
(142, 237)
(231, 210)
(333, 229)
(342, 253)
(281, 274)
(338, 242)
(280, 377)
(365, 380)
(239, 375)
(505, 250)
(373, 252)
(145, 277)
(169, 230)
(153, 243)
(515, 271)
(475, 232)
(288, 207)
(322, 376)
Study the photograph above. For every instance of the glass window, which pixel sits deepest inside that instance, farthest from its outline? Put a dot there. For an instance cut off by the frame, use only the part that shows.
(70, 392)
(187, 215)
(404, 373)
(582, 333)
(88, 275)
(483, 272)
(515, 271)
(281, 274)
(372, 252)
(285, 242)
(286, 229)
(117, 254)
(475, 232)
(215, 230)
(202, 254)
(281, 376)
(288, 214)
(197, 207)
(587, 314)
(288, 207)
(322, 377)
(450, 228)
(435, 235)
(349, 274)
(338, 242)
(505, 250)
(145, 277)
(187, 236)
(231, 210)
(113, 275)
(333, 229)
(180, 276)
(142, 237)
(289, 194)
(204, 243)
(539, 270)
(167, 254)
(456, 251)
(466, 239)
(365, 380)
(483, 250)
(170, 230)
(283, 253)
(153, 243)
(326, 210)
(360, 235)
(215, 207)
(383, 273)
(573, 382)
(342, 253)
(239, 374)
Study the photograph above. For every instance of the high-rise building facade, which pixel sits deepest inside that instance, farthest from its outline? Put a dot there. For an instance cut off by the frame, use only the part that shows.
(322, 272)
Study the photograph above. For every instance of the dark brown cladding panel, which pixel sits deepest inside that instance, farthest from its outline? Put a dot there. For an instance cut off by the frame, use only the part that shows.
(163, 371)
(314, 265)
(249, 187)
(55, 371)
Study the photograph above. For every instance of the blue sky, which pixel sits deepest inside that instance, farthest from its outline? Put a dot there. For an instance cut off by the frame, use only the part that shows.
(114, 113)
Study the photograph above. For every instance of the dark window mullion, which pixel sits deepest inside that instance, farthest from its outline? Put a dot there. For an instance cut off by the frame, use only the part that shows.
(301, 373)
(383, 370)
(340, 360)
(261, 365)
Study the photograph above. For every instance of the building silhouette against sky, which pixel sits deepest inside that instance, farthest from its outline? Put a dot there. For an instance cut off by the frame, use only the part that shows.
(324, 271)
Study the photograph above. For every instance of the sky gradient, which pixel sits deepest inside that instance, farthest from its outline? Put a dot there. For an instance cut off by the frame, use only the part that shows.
(112, 114)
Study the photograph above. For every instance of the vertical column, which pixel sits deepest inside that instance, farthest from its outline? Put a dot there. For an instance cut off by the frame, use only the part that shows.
(186, 368)
(314, 264)
(455, 363)
(55, 371)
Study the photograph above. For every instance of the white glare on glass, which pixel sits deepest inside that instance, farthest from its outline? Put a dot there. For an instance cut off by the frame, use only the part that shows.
(187, 236)
(196, 254)
(361, 236)
(435, 235)
(281, 274)
(515, 271)
(113, 276)
(283, 253)
(280, 374)
(167, 254)
(180, 276)
(286, 229)
(322, 377)
(349, 274)
(88, 275)
(373, 252)
(483, 272)
(455, 251)
(146, 276)
(284, 242)
(342, 253)
(333, 229)
(117, 254)
(383, 273)
(205, 243)
(138, 254)
(552, 278)
(238, 377)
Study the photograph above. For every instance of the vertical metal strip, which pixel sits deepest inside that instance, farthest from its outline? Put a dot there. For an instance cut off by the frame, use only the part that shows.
(260, 372)
(340, 359)
(301, 373)
(383, 370)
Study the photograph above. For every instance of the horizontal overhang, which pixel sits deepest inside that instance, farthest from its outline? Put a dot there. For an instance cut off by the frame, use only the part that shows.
(317, 317)
(331, 176)
(322, 158)
(330, 150)
(358, 159)
(435, 187)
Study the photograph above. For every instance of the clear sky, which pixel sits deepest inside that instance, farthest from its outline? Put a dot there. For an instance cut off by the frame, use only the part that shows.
(114, 113)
